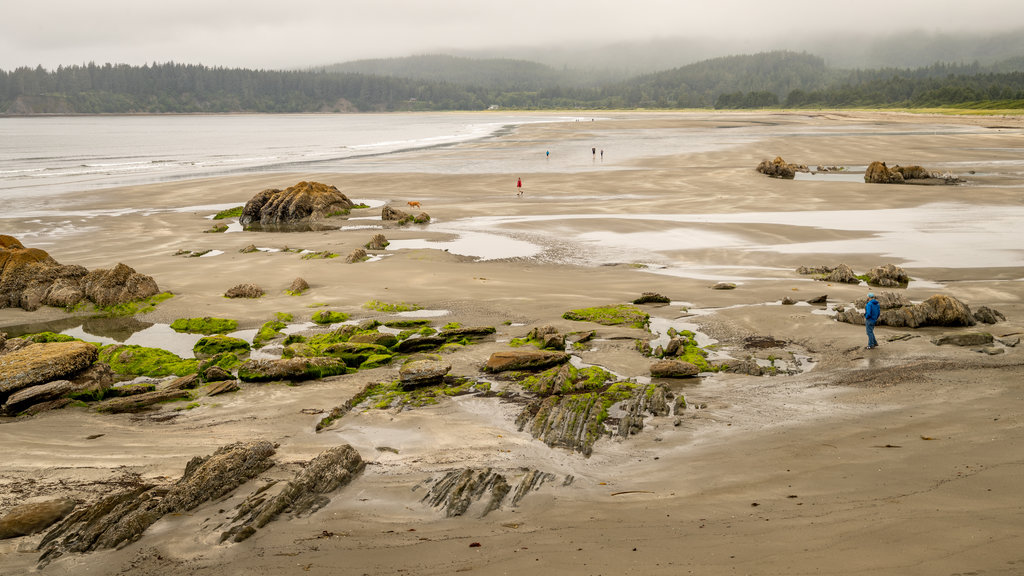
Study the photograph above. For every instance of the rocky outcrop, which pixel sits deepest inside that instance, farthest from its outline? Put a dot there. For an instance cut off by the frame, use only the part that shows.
(423, 372)
(459, 491)
(571, 421)
(245, 291)
(547, 337)
(888, 276)
(779, 168)
(878, 173)
(33, 395)
(304, 205)
(524, 360)
(33, 517)
(472, 333)
(420, 344)
(377, 242)
(39, 363)
(841, 273)
(30, 278)
(939, 310)
(124, 516)
(291, 369)
(117, 286)
(306, 493)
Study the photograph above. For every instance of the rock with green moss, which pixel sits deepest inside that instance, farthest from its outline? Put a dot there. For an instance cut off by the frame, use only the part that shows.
(140, 402)
(39, 363)
(43, 337)
(329, 317)
(376, 361)
(354, 353)
(229, 213)
(390, 307)
(206, 325)
(420, 344)
(613, 315)
(291, 369)
(269, 331)
(567, 379)
(652, 298)
(133, 360)
(379, 338)
(472, 333)
(410, 323)
(218, 344)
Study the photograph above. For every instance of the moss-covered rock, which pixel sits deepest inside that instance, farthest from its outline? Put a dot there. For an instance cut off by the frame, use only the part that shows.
(354, 353)
(292, 369)
(329, 317)
(218, 344)
(132, 360)
(267, 332)
(612, 315)
(205, 325)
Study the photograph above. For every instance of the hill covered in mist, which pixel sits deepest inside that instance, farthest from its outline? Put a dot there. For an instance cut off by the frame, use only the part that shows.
(446, 82)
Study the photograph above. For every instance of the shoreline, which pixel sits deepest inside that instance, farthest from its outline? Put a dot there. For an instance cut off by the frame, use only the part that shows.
(870, 461)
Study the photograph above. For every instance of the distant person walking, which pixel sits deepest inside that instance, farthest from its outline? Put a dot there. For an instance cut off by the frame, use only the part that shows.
(593, 151)
(519, 187)
(871, 311)
(602, 153)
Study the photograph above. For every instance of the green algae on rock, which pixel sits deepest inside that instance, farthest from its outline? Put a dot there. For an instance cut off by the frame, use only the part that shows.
(611, 315)
(133, 360)
(205, 325)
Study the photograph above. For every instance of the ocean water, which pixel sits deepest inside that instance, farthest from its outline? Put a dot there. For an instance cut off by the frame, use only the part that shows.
(43, 156)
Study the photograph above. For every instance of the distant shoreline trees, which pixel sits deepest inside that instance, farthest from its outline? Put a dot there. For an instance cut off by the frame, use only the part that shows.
(766, 80)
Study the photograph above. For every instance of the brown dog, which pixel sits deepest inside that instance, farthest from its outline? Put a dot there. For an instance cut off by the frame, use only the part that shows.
(413, 204)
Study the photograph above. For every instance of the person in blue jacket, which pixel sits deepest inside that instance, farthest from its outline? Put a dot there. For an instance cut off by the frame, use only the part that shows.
(871, 311)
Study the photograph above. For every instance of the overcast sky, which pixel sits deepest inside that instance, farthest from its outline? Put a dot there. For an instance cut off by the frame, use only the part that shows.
(299, 33)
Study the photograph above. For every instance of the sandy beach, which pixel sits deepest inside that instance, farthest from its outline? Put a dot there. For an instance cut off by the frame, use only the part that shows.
(907, 459)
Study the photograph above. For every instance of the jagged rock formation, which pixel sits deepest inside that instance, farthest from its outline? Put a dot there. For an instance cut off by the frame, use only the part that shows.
(879, 173)
(304, 205)
(298, 286)
(987, 315)
(458, 490)
(301, 496)
(30, 278)
(391, 214)
(357, 255)
(124, 516)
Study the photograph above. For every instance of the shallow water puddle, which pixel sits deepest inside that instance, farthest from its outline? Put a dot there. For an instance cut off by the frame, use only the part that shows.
(481, 245)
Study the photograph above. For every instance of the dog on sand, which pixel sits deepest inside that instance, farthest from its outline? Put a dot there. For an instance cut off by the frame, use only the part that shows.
(413, 204)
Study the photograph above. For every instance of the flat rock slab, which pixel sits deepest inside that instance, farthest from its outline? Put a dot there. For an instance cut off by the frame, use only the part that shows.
(43, 362)
(423, 373)
(524, 360)
(968, 339)
(673, 369)
(33, 517)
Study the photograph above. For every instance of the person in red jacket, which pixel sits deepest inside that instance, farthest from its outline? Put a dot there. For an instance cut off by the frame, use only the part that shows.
(519, 187)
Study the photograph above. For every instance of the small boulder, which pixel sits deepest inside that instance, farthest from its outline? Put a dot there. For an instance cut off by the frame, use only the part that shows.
(298, 287)
(424, 372)
(987, 315)
(843, 274)
(393, 214)
(823, 299)
(724, 286)
(245, 291)
(777, 168)
(379, 338)
(292, 369)
(357, 255)
(673, 369)
(216, 374)
(652, 298)
(377, 242)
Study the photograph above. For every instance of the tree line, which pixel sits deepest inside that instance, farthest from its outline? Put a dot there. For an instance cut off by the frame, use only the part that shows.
(772, 79)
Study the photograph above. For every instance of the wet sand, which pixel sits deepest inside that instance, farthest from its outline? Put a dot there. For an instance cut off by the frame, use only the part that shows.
(901, 460)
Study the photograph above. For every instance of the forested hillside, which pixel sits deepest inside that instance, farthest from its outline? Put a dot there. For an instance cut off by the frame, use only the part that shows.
(767, 79)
